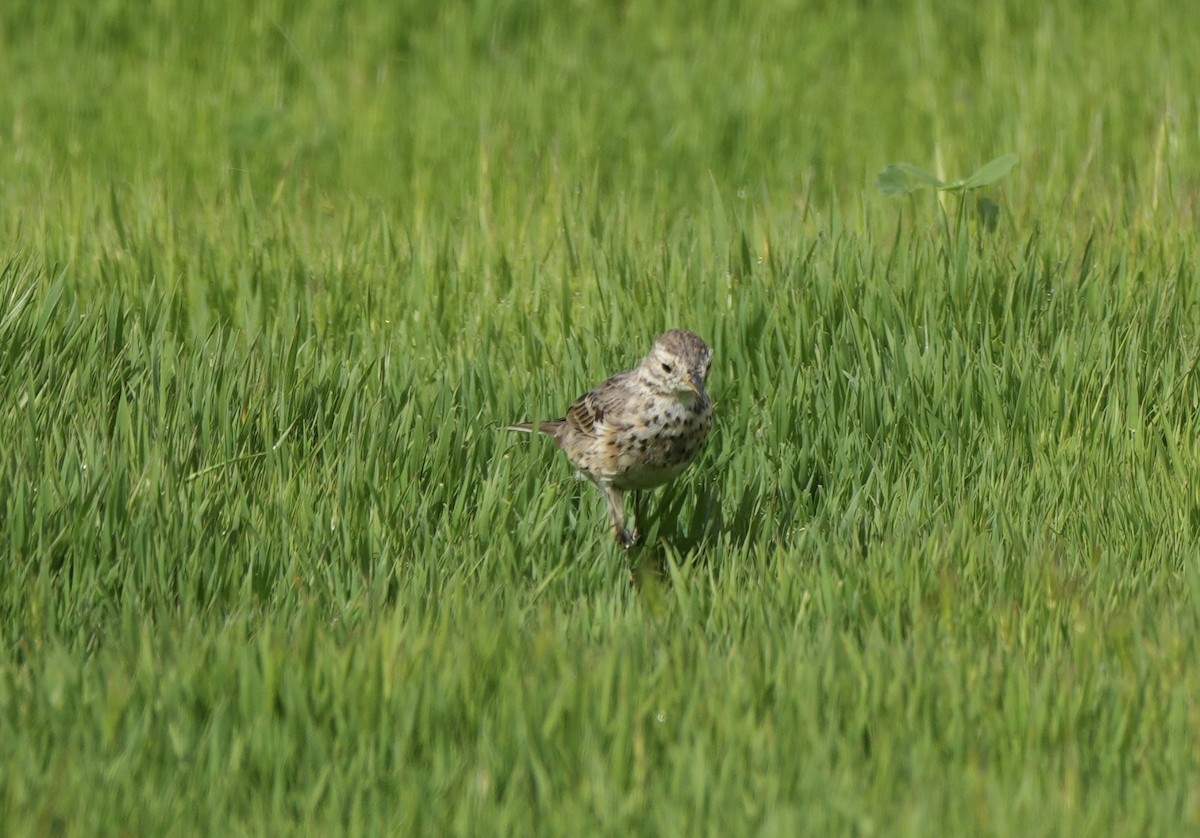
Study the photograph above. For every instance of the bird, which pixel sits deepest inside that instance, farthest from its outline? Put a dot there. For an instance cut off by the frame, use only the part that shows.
(641, 428)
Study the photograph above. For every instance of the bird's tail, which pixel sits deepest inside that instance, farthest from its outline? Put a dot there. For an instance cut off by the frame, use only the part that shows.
(547, 428)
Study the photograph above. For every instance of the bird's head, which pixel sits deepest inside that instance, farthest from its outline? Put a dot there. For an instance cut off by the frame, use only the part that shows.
(678, 363)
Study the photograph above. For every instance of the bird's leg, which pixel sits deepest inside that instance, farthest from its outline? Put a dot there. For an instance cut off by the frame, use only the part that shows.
(637, 516)
(616, 511)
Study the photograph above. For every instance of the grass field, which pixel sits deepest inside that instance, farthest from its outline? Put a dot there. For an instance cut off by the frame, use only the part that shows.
(274, 275)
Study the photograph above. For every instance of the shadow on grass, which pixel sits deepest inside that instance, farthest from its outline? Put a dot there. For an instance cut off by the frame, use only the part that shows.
(766, 512)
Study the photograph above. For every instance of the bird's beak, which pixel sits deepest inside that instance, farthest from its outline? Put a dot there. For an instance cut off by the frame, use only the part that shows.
(692, 385)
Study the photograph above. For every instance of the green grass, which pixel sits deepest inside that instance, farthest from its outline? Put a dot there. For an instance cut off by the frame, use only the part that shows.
(273, 279)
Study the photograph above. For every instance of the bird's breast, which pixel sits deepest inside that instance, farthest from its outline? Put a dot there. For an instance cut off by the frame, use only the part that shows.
(659, 443)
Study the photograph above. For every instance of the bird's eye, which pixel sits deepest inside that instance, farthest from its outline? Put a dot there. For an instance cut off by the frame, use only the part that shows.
(667, 369)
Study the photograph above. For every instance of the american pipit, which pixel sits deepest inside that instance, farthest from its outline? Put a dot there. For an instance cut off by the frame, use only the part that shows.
(640, 428)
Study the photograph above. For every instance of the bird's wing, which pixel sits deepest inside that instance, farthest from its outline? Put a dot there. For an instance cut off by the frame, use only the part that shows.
(591, 410)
